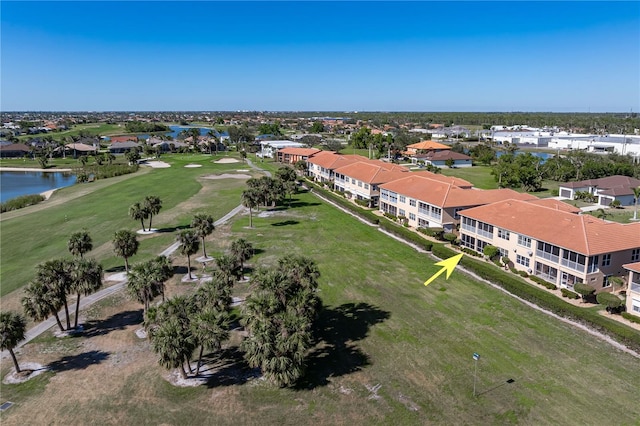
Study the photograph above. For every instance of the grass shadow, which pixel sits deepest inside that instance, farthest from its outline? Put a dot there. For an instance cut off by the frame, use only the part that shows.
(118, 321)
(336, 353)
(227, 368)
(285, 223)
(116, 269)
(173, 229)
(78, 362)
(298, 204)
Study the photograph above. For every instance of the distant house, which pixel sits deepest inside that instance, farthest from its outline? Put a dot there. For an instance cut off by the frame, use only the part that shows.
(606, 189)
(129, 138)
(14, 150)
(123, 147)
(440, 158)
(269, 148)
(80, 149)
(633, 285)
(425, 147)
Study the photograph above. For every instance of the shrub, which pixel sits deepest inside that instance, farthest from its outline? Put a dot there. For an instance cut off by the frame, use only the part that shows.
(450, 237)
(20, 202)
(490, 251)
(547, 284)
(631, 317)
(523, 274)
(568, 293)
(583, 289)
(611, 301)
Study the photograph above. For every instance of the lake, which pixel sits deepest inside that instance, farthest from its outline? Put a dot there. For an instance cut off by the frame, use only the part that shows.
(14, 184)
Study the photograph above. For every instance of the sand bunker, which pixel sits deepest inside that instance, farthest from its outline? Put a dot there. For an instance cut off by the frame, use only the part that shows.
(29, 371)
(192, 166)
(226, 161)
(156, 164)
(227, 176)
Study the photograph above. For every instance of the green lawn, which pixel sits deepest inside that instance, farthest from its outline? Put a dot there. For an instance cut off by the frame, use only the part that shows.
(390, 350)
(479, 176)
(33, 238)
(95, 129)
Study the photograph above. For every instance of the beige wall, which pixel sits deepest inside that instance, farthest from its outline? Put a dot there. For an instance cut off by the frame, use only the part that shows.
(633, 293)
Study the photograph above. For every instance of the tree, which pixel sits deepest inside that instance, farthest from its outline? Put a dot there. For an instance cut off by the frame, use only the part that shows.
(228, 267)
(301, 167)
(242, 250)
(362, 138)
(250, 199)
(636, 198)
(278, 316)
(133, 155)
(139, 212)
(584, 290)
(125, 244)
(490, 251)
(317, 127)
(189, 245)
(153, 205)
(55, 275)
(12, 330)
(86, 278)
(483, 153)
(39, 302)
(146, 280)
(449, 162)
(203, 225)
(209, 327)
(611, 301)
(80, 243)
(287, 175)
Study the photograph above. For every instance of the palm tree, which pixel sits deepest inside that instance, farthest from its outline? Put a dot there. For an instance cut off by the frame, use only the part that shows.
(55, 275)
(168, 342)
(636, 196)
(242, 250)
(209, 327)
(228, 267)
(250, 199)
(153, 205)
(39, 302)
(139, 212)
(125, 245)
(12, 330)
(203, 225)
(189, 245)
(140, 285)
(80, 243)
(86, 277)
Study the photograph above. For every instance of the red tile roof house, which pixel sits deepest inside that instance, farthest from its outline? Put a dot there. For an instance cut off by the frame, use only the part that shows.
(561, 247)
(129, 138)
(14, 150)
(362, 179)
(633, 287)
(440, 158)
(122, 147)
(322, 164)
(606, 189)
(293, 155)
(429, 200)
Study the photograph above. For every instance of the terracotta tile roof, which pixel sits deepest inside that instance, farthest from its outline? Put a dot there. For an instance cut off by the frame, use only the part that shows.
(116, 139)
(584, 234)
(635, 267)
(556, 205)
(428, 145)
(300, 151)
(448, 195)
(372, 173)
(331, 160)
(459, 182)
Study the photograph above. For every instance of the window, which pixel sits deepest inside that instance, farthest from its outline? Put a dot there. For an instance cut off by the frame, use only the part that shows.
(606, 259)
(423, 223)
(504, 234)
(468, 241)
(401, 213)
(456, 211)
(635, 255)
(485, 229)
(360, 184)
(366, 186)
(573, 260)
(593, 264)
(503, 252)
(436, 212)
(469, 224)
(412, 216)
(384, 194)
(548, 251)
(412, 202)
(522, 260)
(524, 241)
(605, 281)
(481, 245)
(403, 199)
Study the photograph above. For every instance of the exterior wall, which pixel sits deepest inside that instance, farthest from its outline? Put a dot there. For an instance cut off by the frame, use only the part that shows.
(419, 215)
(456, 163)
(359, 189)
(633, 293)
(548, 265)
(625, 200)
(319, 173)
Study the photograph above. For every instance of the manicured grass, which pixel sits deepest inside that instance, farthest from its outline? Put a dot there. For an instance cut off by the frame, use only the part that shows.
(479, 176)
(33, 238)
(95, 129)
(390, 350)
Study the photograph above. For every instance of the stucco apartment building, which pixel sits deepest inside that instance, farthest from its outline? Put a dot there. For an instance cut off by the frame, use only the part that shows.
(429, 200)
(557, 245)
(293, 155)
(633, 288)
(362, 179)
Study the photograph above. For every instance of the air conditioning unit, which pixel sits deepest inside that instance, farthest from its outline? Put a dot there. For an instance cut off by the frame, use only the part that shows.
(515, 250)
(530, 253)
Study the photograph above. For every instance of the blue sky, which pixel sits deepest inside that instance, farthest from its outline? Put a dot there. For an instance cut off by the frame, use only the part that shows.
(320, 56)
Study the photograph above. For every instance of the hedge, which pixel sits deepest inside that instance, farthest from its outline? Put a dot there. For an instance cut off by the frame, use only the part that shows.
(568, 293)
(631, 317)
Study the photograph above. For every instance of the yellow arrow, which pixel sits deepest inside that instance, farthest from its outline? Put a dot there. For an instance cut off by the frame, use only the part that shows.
(447, 265)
